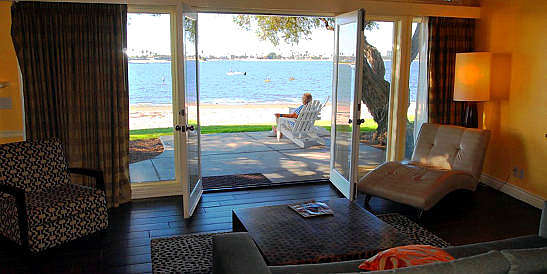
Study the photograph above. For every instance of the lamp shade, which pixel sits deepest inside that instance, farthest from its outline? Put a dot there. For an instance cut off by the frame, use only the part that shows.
(472, 78)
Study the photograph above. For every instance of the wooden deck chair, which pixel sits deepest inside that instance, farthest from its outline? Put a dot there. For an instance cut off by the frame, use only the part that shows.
(301, 130)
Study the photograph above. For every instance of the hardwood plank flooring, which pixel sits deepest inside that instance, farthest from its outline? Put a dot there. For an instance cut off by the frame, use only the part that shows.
(460, 218)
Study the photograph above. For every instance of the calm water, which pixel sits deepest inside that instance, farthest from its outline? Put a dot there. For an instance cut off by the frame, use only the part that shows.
(223, 82)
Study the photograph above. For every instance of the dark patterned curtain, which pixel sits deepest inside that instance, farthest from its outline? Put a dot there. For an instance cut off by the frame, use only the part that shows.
(75, 84)
(447, 36)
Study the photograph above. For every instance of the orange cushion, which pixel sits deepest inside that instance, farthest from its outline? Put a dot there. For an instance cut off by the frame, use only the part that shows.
(403, 256)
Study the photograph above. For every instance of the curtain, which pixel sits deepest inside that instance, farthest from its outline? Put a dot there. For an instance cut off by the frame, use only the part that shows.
(75, 85)
(447, 36)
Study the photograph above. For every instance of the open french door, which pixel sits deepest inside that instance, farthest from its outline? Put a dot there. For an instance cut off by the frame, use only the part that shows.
(346, 93)
(187, 129)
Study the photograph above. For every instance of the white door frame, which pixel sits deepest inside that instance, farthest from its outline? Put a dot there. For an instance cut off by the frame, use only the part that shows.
(192, 197)
(348, 187)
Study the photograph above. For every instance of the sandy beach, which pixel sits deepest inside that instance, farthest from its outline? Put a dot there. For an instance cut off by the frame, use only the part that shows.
(143, 116)
(156, 116)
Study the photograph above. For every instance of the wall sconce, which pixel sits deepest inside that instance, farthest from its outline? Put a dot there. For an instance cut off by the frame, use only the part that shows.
(4, 84)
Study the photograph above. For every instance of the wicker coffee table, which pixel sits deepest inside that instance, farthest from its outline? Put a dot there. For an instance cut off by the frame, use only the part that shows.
(284, 237)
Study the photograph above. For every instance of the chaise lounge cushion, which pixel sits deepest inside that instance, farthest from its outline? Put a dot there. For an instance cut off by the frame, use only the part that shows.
(414, 184)
(445, 158)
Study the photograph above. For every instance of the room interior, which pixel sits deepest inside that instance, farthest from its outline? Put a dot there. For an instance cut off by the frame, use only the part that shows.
(501, 201)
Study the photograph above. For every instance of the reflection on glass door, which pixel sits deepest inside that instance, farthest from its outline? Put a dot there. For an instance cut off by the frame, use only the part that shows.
(347, 80)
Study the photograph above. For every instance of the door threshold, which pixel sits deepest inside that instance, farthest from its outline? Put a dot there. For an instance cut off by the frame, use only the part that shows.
(282, 184)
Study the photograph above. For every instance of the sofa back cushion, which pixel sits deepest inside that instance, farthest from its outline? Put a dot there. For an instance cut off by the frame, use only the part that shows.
(452, 147)
(33, 165)
(530, 260)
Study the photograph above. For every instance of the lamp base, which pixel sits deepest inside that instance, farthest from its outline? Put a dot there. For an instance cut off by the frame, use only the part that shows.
(471, 116)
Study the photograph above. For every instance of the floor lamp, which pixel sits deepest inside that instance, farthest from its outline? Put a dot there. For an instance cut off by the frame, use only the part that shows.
(472, 83)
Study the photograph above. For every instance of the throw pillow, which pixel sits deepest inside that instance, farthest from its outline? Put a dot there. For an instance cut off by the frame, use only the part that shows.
(403, 256)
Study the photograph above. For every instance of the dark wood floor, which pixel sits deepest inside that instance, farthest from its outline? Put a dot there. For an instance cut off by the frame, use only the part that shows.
(460, 218)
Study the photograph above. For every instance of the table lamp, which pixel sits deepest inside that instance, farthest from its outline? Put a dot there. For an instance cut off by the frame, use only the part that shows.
(472, 82)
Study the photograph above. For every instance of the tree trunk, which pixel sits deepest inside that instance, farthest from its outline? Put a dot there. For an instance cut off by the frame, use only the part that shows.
(376, 89)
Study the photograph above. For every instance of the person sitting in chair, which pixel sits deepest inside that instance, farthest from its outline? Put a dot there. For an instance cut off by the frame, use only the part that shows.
(306, 98)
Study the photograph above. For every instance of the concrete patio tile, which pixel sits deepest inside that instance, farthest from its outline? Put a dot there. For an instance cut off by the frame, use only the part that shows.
(230, 143)
(240, 163)
(165, 168)
(253, 152)
(143, 172)
(283, 144)
(168, 142)
(166, 154)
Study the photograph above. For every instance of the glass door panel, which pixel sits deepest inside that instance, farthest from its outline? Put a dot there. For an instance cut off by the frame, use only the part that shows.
(151, 150)
(192, 100)
(347, 85)
(187, 126)
(375, 98)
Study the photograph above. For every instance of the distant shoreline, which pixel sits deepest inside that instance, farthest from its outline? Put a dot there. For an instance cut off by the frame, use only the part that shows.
(160, 61)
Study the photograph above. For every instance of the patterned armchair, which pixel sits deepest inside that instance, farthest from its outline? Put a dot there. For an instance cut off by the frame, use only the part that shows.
(39, 207)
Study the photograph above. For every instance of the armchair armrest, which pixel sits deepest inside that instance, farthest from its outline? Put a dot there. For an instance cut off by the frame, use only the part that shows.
(96, 173)
(19, 195)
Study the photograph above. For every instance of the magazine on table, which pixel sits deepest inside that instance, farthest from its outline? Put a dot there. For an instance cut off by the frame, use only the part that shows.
(311, 208)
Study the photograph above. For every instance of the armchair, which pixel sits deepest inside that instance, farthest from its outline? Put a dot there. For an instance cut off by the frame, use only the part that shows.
(39, 206)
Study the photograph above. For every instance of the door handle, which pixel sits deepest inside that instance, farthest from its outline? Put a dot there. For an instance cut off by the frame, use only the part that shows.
(184, 128)
(360, 121)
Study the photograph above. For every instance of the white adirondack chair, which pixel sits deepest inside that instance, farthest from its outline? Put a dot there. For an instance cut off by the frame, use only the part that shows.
(301, 130)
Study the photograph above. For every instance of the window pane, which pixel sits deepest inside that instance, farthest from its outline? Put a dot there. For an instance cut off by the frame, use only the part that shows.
(417, 97)
(375, 97)
(150, 97)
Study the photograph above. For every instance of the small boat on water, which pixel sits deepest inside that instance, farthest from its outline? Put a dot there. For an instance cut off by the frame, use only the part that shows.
(267, 80)
(291, 78)
(230, 73)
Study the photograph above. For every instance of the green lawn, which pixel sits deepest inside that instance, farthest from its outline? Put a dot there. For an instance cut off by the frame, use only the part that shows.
(140, 134)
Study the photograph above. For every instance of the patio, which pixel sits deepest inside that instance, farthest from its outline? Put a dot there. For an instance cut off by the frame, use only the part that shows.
(252, 152)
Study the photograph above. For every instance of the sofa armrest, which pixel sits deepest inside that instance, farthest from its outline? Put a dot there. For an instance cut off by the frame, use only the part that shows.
(96, 173)
(543, 222)
(235, 253)
(19, 195)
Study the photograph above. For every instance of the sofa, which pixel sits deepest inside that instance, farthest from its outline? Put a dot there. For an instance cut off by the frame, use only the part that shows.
(237, 253)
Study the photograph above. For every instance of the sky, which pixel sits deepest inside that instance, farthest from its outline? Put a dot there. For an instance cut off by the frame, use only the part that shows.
(219, 36)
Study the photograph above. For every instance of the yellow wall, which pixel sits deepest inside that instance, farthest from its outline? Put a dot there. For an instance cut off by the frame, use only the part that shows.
(517, 115)
(11, 120)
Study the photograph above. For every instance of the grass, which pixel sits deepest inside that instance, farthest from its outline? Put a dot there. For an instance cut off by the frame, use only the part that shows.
(150, 133)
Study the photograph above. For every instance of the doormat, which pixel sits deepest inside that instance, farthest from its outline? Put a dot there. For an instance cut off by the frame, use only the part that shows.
(193, 253)
(236, 181)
